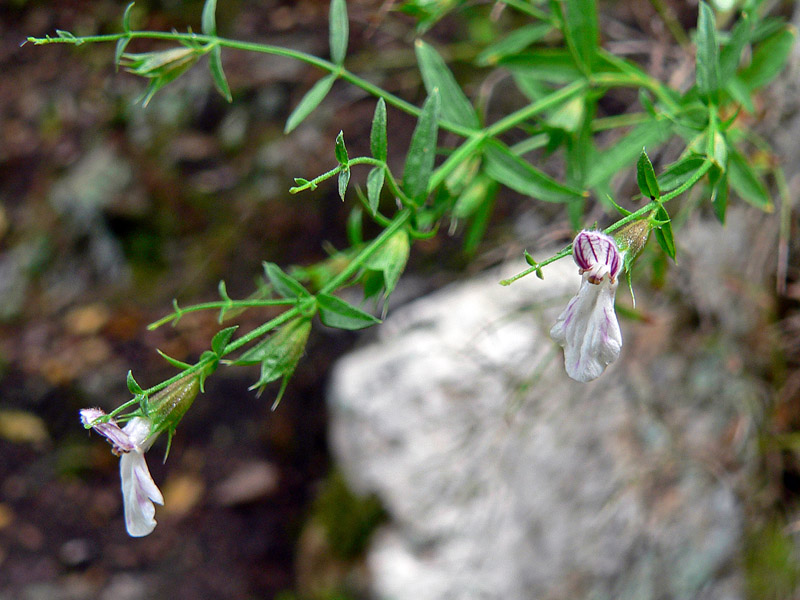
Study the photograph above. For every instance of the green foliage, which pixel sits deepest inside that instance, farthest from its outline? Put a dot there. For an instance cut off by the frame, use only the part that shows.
(646, 177)
(422, 151)
(347, 519)
(339, 31)
(581, 30)
(557, 63)
(335, 312)
(771, 563)
(707, 54)
(377, 139)
(455, 106)
(309, 102)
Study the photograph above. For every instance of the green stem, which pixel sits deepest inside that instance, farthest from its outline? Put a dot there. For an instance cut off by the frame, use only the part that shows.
(357, 263)
(556, 98)
(233, 304)
(476, 139)
(696, 176)
(310, 59)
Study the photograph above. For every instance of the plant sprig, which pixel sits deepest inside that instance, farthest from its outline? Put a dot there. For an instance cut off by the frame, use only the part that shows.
(563, 85)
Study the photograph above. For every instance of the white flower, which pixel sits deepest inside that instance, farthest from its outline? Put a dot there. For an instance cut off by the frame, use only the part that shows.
(588, 328)
(139, 491)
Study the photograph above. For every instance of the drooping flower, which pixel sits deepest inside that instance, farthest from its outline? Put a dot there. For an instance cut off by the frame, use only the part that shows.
(588, 328)
(164, 410)
(139, 491)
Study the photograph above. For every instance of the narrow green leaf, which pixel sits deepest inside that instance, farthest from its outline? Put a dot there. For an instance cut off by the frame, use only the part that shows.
(339, 31)
(335, 312)
(217, 74)
(519, 175)
(719, 197)
(377, 138)
(222, 290)
(208, 22)
(740, 93)
(344, 180)
(355, 227)
(663, 233)
(391, 260)
(122, 44)
(480, 220)
(582, 32)
(625, 151)
(624, 212)
(374, 187)
(284, 285)
(65, 35)
(731, 53)
(422, 150)
(221, 339)
(646, 177)
(746, 183)
(473, 196)
(707, 74)
(340, 150)
(769, 59)
(575, 210)
(551, 65)
(126, 18)
(133, 387)
(372, 282)
(279, 355)
(680, 172)
(178, 364)
(765, 27)
(281, 349)
(513, 43)
(436, 75)
(309, 102)
(646, 100)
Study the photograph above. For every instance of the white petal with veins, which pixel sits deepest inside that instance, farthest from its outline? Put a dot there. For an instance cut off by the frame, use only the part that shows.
(589, 331)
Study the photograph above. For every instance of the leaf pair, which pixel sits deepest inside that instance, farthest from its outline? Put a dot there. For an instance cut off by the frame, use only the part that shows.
(338, 33)
(333, 311)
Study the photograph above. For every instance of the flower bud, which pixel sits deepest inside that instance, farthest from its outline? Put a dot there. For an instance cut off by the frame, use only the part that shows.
(597, 256)
(631, 239)
(167, 407)
(161, 64)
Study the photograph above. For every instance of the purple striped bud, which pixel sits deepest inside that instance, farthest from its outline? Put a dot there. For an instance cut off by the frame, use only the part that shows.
(588, 328)
(597, 256)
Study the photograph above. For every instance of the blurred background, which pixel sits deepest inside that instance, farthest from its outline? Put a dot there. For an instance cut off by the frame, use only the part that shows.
(108, 211)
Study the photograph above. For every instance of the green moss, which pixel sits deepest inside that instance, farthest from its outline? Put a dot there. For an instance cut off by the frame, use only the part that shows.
(771, 565)
(348, 520)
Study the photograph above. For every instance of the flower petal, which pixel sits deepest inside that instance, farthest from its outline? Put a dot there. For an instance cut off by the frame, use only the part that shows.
(597, 255)
(118, 438)
(138, 430)
(589, 331)
(139, 491)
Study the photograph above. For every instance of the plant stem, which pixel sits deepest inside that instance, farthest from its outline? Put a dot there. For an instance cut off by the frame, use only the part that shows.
(310, 59)
(219, 304)
(696, 176)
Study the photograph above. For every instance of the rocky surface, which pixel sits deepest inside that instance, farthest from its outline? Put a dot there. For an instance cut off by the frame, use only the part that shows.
(505, 479)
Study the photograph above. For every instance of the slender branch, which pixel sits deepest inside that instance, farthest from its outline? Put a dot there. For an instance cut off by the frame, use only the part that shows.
(696, 176)
(232, 304)
(310, 59)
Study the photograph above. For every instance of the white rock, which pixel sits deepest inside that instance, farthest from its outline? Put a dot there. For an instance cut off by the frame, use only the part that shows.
(505, 479)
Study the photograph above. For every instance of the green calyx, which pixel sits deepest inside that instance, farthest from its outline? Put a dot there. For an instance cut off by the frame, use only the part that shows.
(631, 239)
(167, 407)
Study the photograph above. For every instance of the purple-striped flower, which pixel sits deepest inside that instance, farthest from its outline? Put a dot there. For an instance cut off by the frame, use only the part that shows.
(139, 491)
(588, 328)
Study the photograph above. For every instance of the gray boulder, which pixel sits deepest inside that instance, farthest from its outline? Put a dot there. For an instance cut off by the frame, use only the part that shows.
(505, 479)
